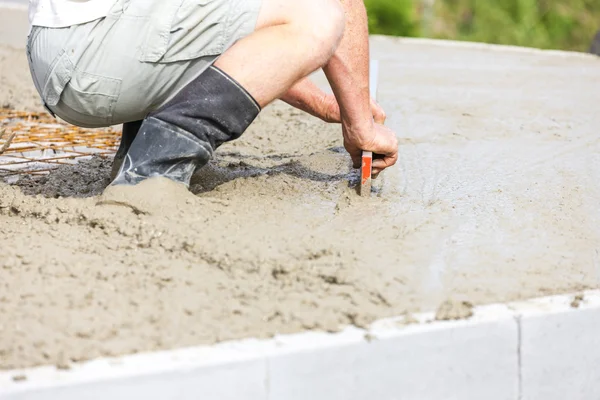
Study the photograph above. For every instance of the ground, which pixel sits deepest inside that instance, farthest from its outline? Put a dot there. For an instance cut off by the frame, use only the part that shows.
(494, 199)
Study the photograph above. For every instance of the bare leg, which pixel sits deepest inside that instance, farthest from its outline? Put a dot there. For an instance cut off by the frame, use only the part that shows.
(292, 39)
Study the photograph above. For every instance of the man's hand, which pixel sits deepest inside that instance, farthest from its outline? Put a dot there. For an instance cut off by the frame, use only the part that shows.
(374, 137)
(377, 138)
(348, 74)
(332, 110)
(306, 96)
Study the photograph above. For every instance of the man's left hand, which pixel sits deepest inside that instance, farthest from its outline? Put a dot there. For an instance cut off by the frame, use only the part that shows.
(332, 110)
(307, 97)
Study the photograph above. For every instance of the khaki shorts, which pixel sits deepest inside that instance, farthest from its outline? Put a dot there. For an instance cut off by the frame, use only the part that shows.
(120, 68)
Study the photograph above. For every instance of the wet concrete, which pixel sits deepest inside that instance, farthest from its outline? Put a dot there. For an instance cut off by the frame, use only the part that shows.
(499, 164)
(14, 23)
(494, 199)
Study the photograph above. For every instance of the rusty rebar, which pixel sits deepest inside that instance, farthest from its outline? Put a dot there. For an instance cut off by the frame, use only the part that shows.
(34, 142)
(7, 141)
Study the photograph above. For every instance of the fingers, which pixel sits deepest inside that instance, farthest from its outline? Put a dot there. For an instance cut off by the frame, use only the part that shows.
(380, 164)
(355, 153)
(384, 147)
(378, 113)
(357, 161)
(378, 139)
(385, 144)
(386, 150)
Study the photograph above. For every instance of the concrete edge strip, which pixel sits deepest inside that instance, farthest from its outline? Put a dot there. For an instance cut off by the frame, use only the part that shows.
(488, 46)
(484, 355)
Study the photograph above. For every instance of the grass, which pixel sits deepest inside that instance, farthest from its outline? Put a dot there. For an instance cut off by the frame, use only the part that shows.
(555, 24)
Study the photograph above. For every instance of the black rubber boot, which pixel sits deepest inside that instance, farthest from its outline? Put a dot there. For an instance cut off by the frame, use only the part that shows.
(183, 134)
(130, 130)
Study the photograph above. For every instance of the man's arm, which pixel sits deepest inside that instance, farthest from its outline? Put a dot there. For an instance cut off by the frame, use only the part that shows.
(348, 74)
(308, 97)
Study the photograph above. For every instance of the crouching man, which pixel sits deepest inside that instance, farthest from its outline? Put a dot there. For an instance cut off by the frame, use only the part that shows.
(185, 76)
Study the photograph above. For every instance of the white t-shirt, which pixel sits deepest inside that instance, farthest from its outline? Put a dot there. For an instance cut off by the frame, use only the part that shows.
(63, 13)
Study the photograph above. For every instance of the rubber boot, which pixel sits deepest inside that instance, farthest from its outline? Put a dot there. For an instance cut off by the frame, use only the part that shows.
(183, 134)
(130, 130)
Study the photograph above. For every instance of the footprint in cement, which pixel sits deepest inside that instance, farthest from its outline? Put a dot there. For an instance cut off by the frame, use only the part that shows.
(155, 196)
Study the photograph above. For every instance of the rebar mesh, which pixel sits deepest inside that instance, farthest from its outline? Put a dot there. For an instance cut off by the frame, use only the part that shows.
(40, 143)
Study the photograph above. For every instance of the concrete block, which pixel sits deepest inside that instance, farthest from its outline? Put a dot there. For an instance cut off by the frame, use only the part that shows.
(475, 359)
(560, 349)
(220, 373)
(544, 349)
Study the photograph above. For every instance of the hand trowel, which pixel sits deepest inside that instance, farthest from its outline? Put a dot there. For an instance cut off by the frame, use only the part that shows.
(366, 169)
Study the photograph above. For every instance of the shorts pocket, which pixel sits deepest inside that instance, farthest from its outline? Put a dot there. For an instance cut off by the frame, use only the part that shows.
(186, 30)
(59, 75)
(89, 100)
(159, 15)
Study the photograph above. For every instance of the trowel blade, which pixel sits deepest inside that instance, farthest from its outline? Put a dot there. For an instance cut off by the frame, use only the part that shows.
(365, 173)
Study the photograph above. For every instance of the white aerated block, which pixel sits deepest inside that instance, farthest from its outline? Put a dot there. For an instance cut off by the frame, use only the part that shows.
(225, 372)
(540, 349)
(560, 349)
(474, 359)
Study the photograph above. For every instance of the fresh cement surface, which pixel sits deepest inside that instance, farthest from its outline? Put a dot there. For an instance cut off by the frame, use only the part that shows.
(494, 199)
(13, 23)
(16, 87)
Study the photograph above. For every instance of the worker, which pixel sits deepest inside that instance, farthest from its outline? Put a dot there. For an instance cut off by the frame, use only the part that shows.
(186, 76)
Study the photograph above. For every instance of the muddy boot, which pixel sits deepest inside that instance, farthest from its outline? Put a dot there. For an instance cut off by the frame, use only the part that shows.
(183, 134)
(130, 130)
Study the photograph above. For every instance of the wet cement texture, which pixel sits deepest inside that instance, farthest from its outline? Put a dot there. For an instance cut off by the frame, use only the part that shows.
(495, 198)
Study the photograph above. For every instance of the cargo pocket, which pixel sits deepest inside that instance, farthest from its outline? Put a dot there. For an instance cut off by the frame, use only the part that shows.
(89, 100)
(186, 30)
(80, 98)
(158, 32)
(60, 74)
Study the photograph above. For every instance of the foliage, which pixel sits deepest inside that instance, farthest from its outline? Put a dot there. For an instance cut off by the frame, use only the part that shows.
(561, 24)
(392, 17)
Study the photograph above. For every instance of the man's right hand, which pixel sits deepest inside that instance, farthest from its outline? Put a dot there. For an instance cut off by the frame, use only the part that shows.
(377, 138)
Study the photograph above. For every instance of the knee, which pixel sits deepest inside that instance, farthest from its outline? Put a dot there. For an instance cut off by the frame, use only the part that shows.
(326, 25)
(317, 25)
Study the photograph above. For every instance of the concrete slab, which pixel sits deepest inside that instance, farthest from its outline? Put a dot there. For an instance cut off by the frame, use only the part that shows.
(444, 360)
(428, 360)
(560, 348)
(228, 371)
(538, 349)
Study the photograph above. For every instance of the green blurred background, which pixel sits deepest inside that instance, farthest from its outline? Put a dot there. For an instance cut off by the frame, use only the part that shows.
(548, 24)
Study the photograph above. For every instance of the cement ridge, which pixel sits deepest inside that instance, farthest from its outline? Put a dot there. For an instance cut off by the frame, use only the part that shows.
(390, 332)
(487, 46)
